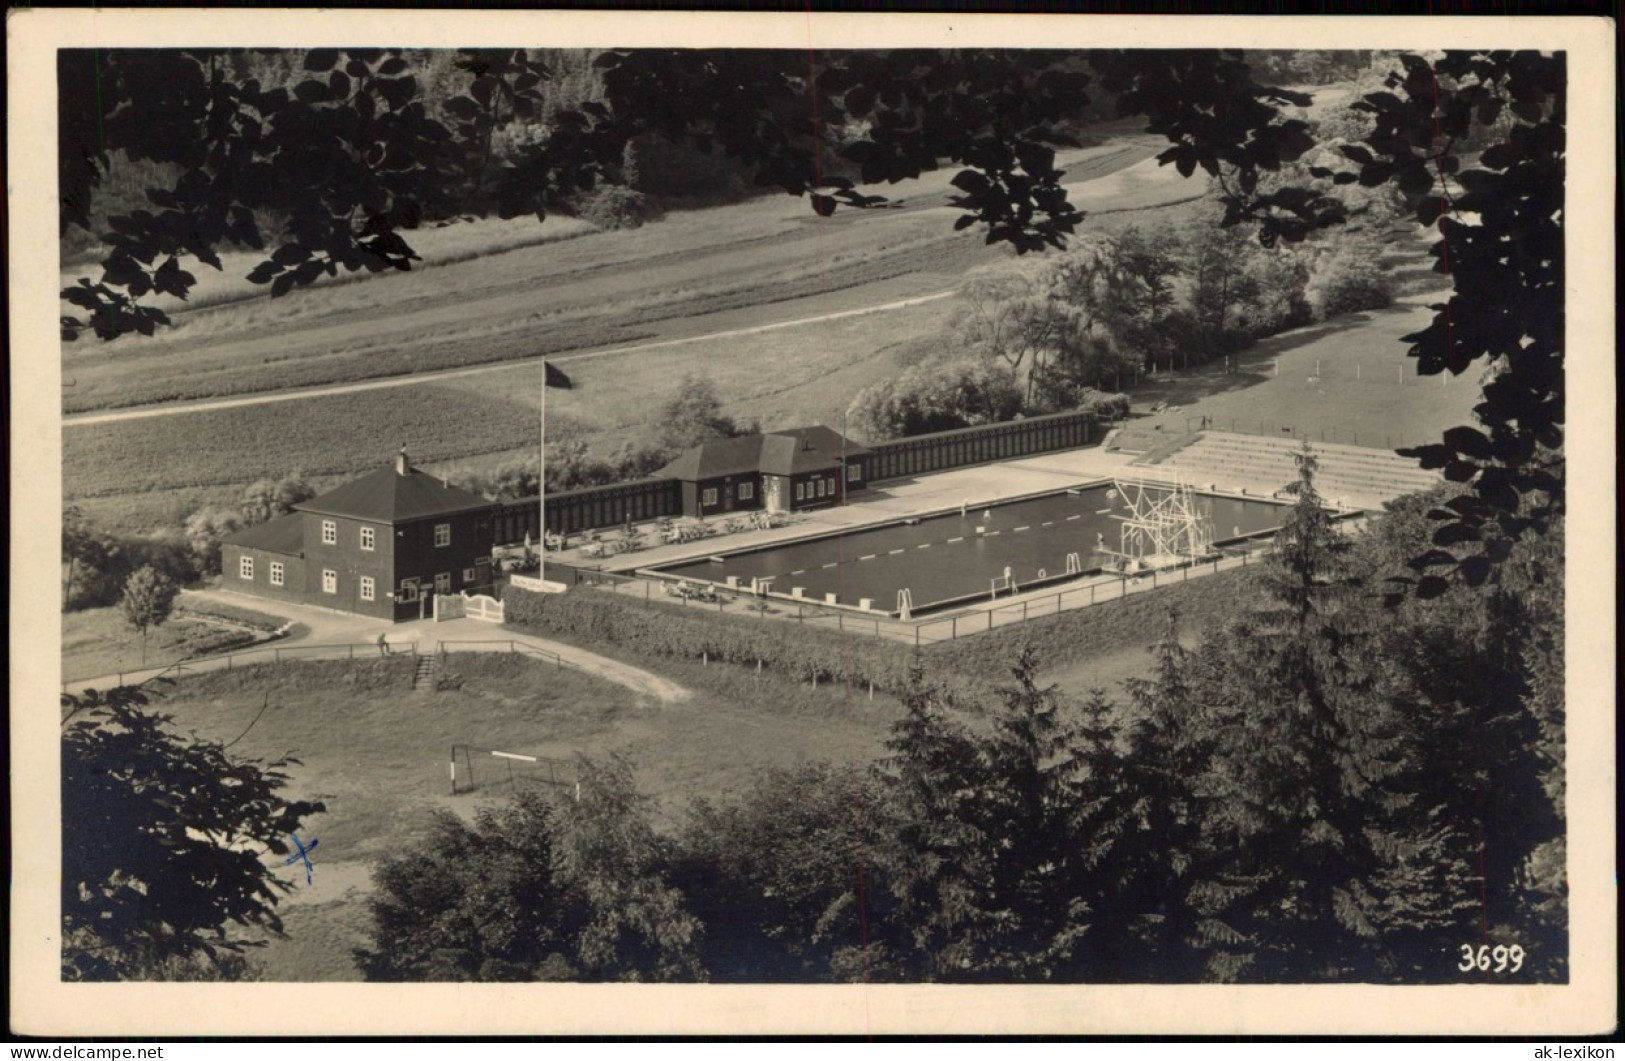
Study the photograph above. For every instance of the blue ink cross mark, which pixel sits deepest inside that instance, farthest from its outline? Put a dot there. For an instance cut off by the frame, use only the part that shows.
(302, 855)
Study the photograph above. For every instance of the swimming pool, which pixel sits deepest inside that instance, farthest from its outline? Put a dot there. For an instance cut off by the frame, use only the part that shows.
(950, 557)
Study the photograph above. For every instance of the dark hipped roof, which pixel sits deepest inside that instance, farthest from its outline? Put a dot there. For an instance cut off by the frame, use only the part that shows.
(806, 449)
(783, 455)
(826, 439)
(284, 534)
(387, 496)
(801, 449)
(716, 457)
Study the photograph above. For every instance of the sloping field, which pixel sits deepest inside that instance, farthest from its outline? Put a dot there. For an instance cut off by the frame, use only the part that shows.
(707, 291)
(1346, 380)
(592, 291)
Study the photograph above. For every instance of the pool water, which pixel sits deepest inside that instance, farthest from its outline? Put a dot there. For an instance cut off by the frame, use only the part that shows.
(946, 557)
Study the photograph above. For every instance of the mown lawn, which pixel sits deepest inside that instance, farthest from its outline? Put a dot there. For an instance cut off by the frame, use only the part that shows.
(1347, 381)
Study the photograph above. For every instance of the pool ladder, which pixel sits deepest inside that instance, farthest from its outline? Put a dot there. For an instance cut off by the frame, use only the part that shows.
(905, 604)
(1074, 564)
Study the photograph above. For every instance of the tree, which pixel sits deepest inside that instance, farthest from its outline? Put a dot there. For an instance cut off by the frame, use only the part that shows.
(1329, 861)
(149, 597)
(205, 529)
(1003, 834)
(546, 888)
(935, 396)
(86, 555)
(635, 925)
(266, 499)
(480, 902)
(934, 862)
(786, 878)
(1348, 281)
(694, 414)
(1029, 811)
(1501, 244)
(163, 842)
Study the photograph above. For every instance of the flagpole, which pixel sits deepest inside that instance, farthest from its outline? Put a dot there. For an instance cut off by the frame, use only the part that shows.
(541, 481)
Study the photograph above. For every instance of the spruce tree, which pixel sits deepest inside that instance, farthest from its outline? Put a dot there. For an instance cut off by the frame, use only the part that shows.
(1326, 857)
(936, 863)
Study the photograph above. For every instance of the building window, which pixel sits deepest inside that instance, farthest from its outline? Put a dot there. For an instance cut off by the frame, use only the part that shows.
(442, 582)
(854, 472)
(330, 532)
(330, 581)
(369, 540)
(367, 591)
(442, 534)
(821, 486)
(245, 568)
(747, 491)
(709, 497)
(278, 572)
(470, 575)
(801, 491)
(409, 590)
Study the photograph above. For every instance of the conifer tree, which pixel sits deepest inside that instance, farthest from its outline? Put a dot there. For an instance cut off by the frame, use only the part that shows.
(1027, 815)
(936, 864)
(1328, 863)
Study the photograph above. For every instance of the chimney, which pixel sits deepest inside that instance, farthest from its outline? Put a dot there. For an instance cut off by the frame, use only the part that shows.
(403, 466)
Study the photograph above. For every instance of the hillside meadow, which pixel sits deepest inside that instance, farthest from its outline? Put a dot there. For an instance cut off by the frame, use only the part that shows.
(379, 762)
(516, 302)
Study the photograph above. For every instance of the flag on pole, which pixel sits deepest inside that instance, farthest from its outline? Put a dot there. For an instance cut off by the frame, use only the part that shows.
(555, 378)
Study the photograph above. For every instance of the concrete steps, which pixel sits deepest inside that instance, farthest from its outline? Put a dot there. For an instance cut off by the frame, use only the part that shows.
(1265, 465)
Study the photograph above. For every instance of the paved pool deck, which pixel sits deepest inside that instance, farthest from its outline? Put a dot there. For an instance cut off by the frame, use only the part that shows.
(977, 486)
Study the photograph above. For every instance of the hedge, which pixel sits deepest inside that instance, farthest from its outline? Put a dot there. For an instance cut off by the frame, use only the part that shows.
(794, 651)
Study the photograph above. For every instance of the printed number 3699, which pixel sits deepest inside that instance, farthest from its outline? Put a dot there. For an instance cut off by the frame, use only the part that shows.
(1484, 957)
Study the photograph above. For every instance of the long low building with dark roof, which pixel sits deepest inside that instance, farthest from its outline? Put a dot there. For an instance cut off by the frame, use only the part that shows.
(783, 471)
(380, 546)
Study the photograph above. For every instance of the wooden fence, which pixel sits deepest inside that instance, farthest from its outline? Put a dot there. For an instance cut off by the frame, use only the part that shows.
(977, 445)
(590, 508)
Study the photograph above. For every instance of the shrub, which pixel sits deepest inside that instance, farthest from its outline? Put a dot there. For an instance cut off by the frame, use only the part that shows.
(935, 397)
(205, 530)
(611, 206)
(1102, 404)
(795, 651)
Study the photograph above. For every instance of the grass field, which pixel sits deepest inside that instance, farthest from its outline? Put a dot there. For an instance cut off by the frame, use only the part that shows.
(376, 753)
(328, 436)
(1347, 380)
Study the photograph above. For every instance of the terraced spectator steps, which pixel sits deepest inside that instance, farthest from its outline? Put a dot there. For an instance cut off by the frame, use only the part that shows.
(1353, 476)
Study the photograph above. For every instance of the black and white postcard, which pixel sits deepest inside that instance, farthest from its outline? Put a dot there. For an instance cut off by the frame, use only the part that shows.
(656, 524)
